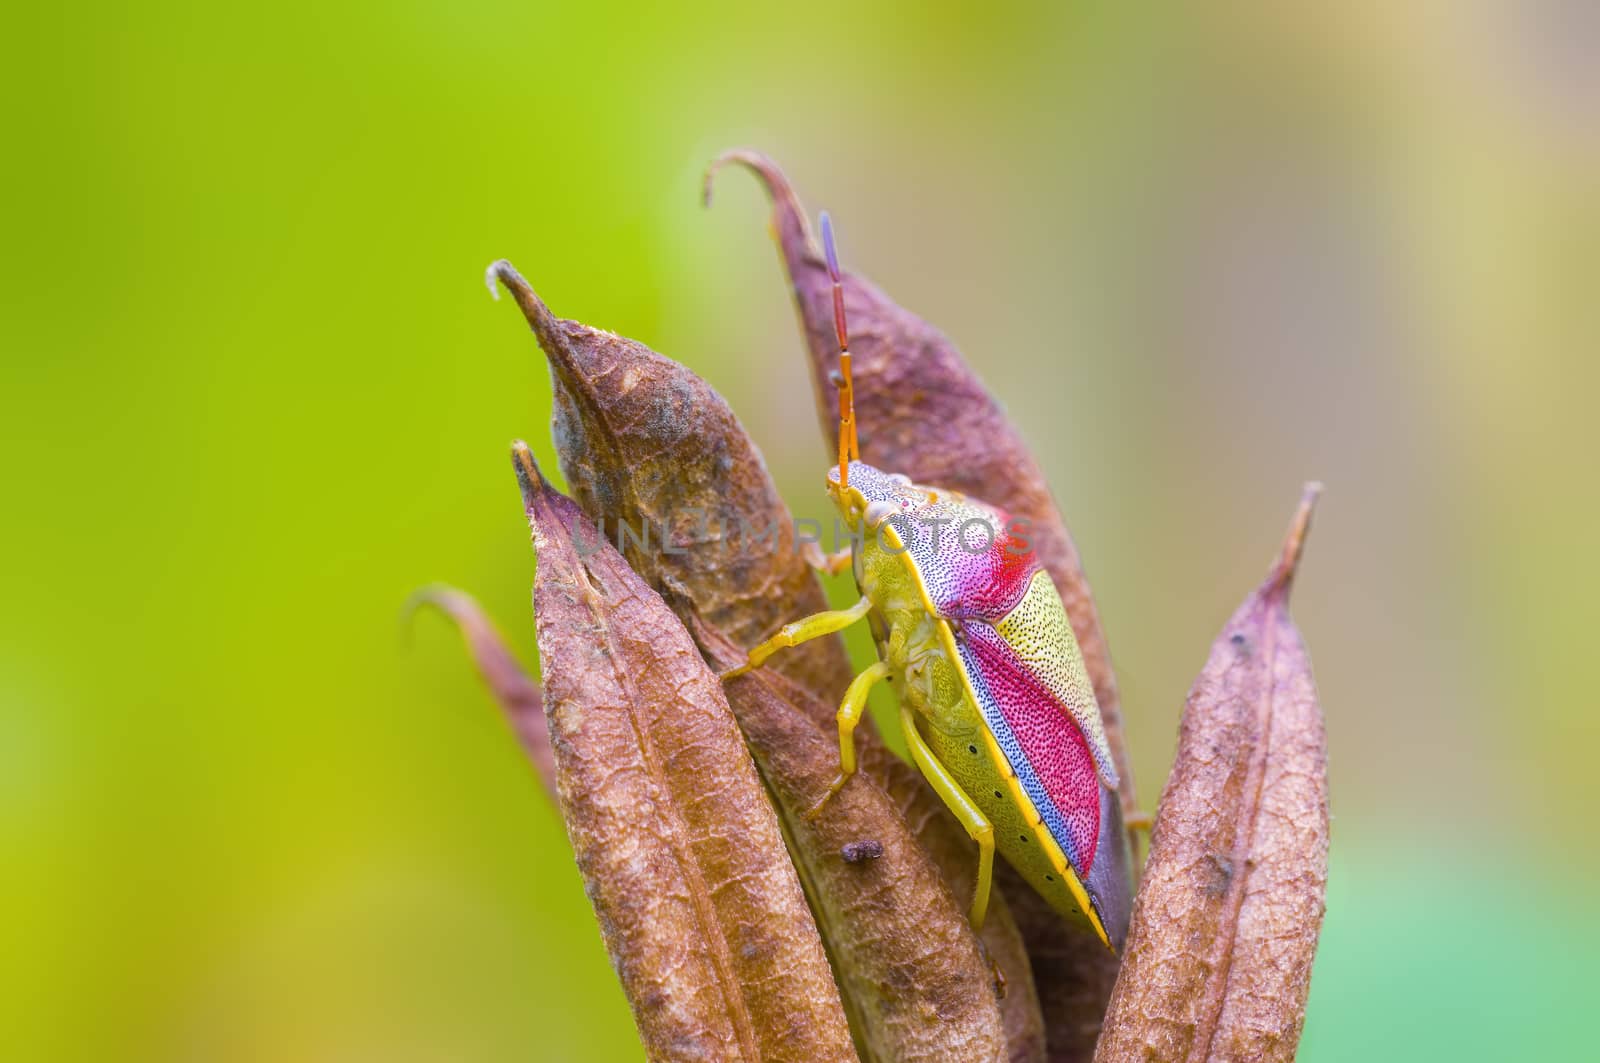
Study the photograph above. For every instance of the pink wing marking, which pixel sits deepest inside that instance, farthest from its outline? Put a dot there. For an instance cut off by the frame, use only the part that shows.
(984, 584)
(1043, 744)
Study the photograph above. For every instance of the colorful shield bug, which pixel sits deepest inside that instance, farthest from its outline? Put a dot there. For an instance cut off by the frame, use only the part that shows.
(997, 709)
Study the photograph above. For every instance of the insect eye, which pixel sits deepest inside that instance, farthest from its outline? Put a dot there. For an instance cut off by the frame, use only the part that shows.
(877, 513)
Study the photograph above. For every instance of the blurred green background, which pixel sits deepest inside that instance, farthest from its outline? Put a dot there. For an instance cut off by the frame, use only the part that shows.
(254, 393)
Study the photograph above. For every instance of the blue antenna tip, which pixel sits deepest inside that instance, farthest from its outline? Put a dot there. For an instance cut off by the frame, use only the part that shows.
(828, 247)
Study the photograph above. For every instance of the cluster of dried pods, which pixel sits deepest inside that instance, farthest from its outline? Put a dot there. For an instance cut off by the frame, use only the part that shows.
(742, 928)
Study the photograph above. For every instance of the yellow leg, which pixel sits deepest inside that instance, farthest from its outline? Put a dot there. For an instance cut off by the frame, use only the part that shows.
(811, 627)
(1141, 821)
(831, 564)
(957, 801)
(850, 709)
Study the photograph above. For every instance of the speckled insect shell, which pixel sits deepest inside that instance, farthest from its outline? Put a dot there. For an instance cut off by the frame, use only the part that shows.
(975, 633)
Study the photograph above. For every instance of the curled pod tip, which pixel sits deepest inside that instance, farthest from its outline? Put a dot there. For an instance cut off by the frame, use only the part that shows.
(513, 689)
(659, 462)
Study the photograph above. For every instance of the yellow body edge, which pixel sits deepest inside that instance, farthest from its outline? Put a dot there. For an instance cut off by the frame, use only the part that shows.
(1047, 841)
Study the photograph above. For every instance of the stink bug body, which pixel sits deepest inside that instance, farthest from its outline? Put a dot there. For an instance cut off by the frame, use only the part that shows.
(996, 706)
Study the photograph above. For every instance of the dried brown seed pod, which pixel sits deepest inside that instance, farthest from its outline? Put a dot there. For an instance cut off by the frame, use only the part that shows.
(913, 975)
(923, 412)
(679, 848)
(1218, 963)
(1073, 980)
(642, 441)
(501, 672)
(654, 455)
(1003, 938)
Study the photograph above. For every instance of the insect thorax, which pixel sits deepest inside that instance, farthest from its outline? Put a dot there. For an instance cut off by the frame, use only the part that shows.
(912, 641)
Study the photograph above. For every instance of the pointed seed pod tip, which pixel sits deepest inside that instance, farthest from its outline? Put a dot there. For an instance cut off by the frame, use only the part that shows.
(1294, 543)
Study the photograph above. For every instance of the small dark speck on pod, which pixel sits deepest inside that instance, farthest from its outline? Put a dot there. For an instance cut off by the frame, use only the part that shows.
(1223, 874)
(859, 852)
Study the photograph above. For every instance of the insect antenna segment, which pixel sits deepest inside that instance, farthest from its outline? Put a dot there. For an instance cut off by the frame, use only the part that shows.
(849, 447)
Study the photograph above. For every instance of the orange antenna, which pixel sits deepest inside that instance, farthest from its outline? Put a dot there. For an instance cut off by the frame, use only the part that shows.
(849, 447)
